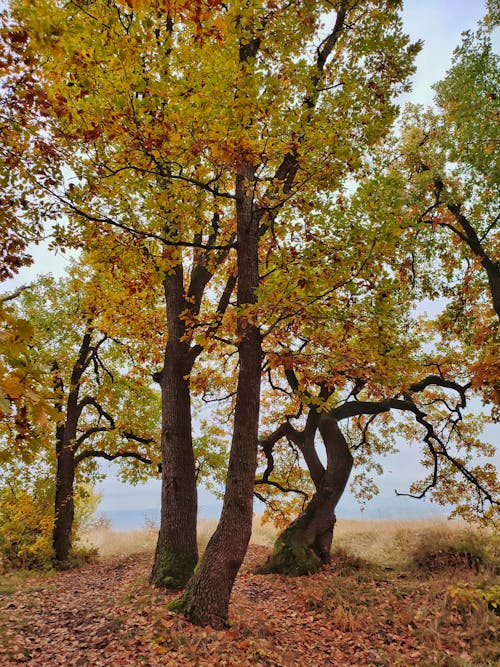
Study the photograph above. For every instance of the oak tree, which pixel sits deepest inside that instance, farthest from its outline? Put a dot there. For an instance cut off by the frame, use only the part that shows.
(101, 406)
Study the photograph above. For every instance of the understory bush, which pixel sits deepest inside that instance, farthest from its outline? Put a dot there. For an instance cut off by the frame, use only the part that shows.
(26, 523)
(465, 549)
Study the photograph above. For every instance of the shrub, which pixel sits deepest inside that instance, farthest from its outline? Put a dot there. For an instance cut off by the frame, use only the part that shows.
(26, 523)
(475, 597)
(437, 551)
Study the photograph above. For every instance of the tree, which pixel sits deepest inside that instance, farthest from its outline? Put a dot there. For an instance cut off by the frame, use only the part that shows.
(448, 172)
(101, 406)
(446, 181)
(207, 594)
(450, 453)
(347, 358)
(203, 127)
(138, 171)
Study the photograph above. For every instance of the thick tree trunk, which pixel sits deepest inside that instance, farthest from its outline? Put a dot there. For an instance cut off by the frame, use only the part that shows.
(491, 267)
(493, 272)
(206, 599)
(305, 545)
(176, 551)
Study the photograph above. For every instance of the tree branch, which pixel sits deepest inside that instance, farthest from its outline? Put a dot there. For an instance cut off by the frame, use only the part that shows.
(89, 400)
(99, 453)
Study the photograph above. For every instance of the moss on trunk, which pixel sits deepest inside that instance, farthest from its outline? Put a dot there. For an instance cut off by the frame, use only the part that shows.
(173, 569)
(292, 555)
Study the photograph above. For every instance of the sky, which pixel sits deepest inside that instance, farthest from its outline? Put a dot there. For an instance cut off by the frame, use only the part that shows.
(439, 23)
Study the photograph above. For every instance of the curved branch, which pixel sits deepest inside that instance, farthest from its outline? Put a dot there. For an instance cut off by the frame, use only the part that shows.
(15, 294)
(285, 489)
(89, 433)
(89, 400)
(99, 453)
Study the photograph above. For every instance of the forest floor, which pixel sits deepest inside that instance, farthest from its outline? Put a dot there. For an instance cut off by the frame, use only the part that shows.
(350, 613)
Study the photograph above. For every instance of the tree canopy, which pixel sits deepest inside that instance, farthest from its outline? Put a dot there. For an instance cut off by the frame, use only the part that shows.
(233, 177)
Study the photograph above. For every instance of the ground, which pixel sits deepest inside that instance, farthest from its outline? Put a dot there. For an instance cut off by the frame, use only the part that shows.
(106, 613)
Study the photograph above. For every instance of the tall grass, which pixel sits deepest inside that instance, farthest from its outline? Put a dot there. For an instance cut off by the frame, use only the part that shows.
(111, 542)
(395, 544)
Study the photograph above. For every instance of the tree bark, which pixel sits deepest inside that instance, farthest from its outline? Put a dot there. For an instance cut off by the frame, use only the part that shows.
(491, 267)
(176, 551)
(66, 432)
(65, 481)
(206, 599)
(305, 545)
(64, 503)
(493, 272)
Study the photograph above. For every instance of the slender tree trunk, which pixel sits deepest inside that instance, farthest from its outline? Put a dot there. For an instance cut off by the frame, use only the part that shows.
(64, 502)
(305, 545)
(66, 433)
(206, 599)
(176, 551)
(65, 481)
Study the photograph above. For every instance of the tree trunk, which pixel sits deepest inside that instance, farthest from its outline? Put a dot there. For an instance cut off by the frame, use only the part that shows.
(206, 599)
(176, 550)
(493, 272)
(64, 503)
(305, 545)
(64, 508)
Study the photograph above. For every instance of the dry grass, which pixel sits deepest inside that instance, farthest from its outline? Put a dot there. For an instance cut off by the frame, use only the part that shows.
(392, 543)
(111, 543)
(395, 544)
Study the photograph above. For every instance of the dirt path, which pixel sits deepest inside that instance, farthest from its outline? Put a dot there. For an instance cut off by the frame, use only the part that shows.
(107, 614)
(69, 619)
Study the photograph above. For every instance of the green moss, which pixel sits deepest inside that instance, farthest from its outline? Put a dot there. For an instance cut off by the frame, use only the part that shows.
(172, 569)
(291, 556)
(182, 606)
(179, 605)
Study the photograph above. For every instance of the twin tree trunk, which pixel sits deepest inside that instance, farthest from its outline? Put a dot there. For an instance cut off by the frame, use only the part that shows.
(206, 599)
(306, 544)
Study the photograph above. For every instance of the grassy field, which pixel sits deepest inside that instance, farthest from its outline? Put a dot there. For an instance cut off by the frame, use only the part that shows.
(396, 594)
(384, 543)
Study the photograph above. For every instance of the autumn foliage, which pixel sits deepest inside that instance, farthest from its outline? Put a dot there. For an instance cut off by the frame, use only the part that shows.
(255, 229)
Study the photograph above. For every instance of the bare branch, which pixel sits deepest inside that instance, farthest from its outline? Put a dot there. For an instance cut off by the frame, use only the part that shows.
(99, 453)
(285, 489)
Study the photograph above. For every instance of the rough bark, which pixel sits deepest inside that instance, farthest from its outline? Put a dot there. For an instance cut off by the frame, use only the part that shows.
(176, 551)
(206, 599)
(305, 545)
(64, 503)
(493, 272)
(64, 506)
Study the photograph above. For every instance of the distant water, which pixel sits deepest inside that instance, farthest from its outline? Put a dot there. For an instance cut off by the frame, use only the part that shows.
(382, 507)
(132, 519)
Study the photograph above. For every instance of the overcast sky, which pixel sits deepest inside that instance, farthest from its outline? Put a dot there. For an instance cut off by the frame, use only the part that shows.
(439, 23)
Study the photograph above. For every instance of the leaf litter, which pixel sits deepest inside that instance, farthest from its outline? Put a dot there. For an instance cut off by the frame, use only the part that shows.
(106, 613)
